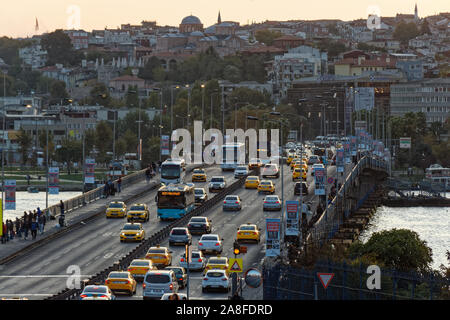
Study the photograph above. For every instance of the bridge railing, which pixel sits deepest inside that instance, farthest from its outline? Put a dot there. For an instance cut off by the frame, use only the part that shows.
(328, 224)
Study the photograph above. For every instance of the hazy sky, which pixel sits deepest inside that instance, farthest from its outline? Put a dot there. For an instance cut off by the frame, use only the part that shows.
(17, 17)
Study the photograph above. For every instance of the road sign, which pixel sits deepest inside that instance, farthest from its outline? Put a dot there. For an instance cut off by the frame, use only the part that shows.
(236, 265)
(325, 278)
(405, 143)
(330, 180)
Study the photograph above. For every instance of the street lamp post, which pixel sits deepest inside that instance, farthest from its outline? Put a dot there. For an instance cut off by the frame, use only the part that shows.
(203, 101)
(189, 102)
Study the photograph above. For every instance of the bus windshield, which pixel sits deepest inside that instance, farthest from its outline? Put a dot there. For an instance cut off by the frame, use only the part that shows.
(170, 171)
(171, 201)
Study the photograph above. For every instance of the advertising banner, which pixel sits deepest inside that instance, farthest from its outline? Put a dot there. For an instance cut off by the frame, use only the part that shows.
(10, 194)
(53, 180)
(273, 237)
(89, 173)
(347, 154)
(1, 218)
(165, 145)
(340, 160)
(320, 178)
(292, 220)
(353, 145)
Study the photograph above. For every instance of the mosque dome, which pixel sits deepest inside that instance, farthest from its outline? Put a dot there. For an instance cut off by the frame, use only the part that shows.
(191, 20)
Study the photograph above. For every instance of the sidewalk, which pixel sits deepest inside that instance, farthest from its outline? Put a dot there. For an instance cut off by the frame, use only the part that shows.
(51, 227)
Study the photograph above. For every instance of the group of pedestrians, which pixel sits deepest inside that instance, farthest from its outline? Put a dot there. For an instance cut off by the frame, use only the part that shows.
(30, 224)
(151, 170)
(110, 188)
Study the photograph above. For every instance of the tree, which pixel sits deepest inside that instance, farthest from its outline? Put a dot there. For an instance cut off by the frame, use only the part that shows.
(132, 97)
(59, 49)
(400, 249)
(405, 31)
(24, 139)
(99, 95)
(103, 141)
(267, 36)
(58, 91)
(50, 147)
(424, 27)
(147, 72)
(121, 147)
(70, 151)
(9, 85)
(89, 140)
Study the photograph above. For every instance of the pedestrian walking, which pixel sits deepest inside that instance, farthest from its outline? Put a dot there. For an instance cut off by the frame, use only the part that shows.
(119, 185)
(34, 228)
(106, 189)
(11, 230)
(41, 223)
(147, 174)
(26, 226)
(39, 212)
(18, 225)
(4, 232)
(61, 207)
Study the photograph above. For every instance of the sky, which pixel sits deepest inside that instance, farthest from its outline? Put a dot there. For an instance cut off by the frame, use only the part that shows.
(18, 17)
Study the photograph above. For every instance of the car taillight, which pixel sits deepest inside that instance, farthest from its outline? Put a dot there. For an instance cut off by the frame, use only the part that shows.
(171, 287)
(102, 296)
(180, 279)
(144, 286)
(265, 202)
(278, 201)
(217, 244)
(199, 260)
(237, 201)
(200, 244)
(106, 281)
(205, 279)
(224, 279)
(182, 259)
(83, 296)
(225, 201)
(130, 269)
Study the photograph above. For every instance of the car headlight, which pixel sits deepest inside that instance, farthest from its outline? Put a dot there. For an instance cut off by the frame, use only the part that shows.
(222, 185)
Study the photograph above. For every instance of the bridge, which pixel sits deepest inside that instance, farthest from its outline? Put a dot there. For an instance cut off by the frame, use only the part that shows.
(39, 269)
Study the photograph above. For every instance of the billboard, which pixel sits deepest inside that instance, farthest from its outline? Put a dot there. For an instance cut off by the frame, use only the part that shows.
(292, 219)
(10, 194)
(364, 98)
(340, 160)
(89, 173)
(165, 145)
(53, 180)
(320, 176)
(353, 145)
(273, 237)
(347, 153)
(405, 143)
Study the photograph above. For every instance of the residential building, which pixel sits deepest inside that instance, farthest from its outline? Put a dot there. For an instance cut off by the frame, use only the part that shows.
(79, 38)
(34, 56)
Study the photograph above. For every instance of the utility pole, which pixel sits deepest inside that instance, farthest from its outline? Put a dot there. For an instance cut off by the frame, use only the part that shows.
(203, 102)
(223, 111)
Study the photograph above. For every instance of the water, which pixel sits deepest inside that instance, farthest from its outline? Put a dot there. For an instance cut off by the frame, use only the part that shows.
(30, 201)
(432, 224)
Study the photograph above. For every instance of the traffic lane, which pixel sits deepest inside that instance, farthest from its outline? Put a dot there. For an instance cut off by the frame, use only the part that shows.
(225, 223)
(92, 248)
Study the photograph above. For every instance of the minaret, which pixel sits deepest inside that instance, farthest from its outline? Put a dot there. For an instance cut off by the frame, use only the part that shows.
(219, 20)
(416, 14)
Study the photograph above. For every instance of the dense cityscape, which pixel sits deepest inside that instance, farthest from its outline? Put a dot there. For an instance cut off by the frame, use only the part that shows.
(356, 160)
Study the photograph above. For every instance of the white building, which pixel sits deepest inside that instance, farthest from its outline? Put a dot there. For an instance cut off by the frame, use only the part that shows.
(33, 56)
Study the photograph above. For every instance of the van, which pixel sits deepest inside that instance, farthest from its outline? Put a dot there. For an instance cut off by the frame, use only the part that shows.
(158, 282)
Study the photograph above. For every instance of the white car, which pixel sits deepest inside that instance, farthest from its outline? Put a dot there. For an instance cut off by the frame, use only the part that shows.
(216, 279)
(240, 171)
(271, 170)
(217, 184)
(94, 292)
(210, 242)
(198, 261)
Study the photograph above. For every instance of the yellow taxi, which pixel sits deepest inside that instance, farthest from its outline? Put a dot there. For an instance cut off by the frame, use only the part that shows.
(160, 256)
(132, 232)
(254, 163)
(217, 263)
(139, 267)
(116, 209)
(199, 175)
(299, 173)
(290, 157)
(266, 186)
(252, 182)
(293, 162)
(121, 281)
(138, 212)
(248, 232)
(301, 164)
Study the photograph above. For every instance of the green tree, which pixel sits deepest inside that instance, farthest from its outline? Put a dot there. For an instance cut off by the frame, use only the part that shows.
(147, 72)
(8, 84)
(405, 31)
(121, 147)
(70, 151)
(24, 139)
(104, 138)
(267, 36)
(89, 140)
(99, 95)
(400, 249)
(58, 91)
(132, 97)
(50, 147)
(59, 48)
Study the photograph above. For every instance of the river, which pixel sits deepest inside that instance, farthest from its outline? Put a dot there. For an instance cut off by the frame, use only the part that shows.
(431, 223)
(30, 201)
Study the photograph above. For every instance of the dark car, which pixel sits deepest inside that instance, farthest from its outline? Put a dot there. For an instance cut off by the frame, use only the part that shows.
(199, 225)
(300, 186)
(180, 274)
(200, 196)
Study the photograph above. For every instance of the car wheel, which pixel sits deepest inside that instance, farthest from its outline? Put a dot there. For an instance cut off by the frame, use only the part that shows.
(204, 290)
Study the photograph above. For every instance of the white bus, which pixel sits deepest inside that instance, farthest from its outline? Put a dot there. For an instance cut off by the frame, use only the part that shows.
(172, 171)
(233, 154)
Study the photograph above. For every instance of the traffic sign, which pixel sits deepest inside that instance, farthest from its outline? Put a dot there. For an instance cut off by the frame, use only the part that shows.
(235, 265)
(330, 180)
(325, 278)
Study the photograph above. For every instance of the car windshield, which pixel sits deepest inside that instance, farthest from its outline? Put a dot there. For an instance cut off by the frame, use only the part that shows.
(137, 208)
(160, 251)
(252, 178)
(94, 289)
(157, 278)
(116, 205)
(215, 274)
(231, 198)
(199, 191)
(131, 227)
(247, 228)
(176, 270)
(272, 198)
(217, 261)
(199, 171)
(120, 275)
(209, 238)
(217, 180)
(241, 168)
(140, 263)
(170, 171)
(178, 231)
(198, 219)
(266, 183)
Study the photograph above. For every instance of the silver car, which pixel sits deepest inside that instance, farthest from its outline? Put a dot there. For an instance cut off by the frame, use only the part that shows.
(272, 203)
(216, 279)
(198, 261)
(157, 283)
(210, 242)
(240, 171)
(232, 202)
(217, 184)
(180, 235)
